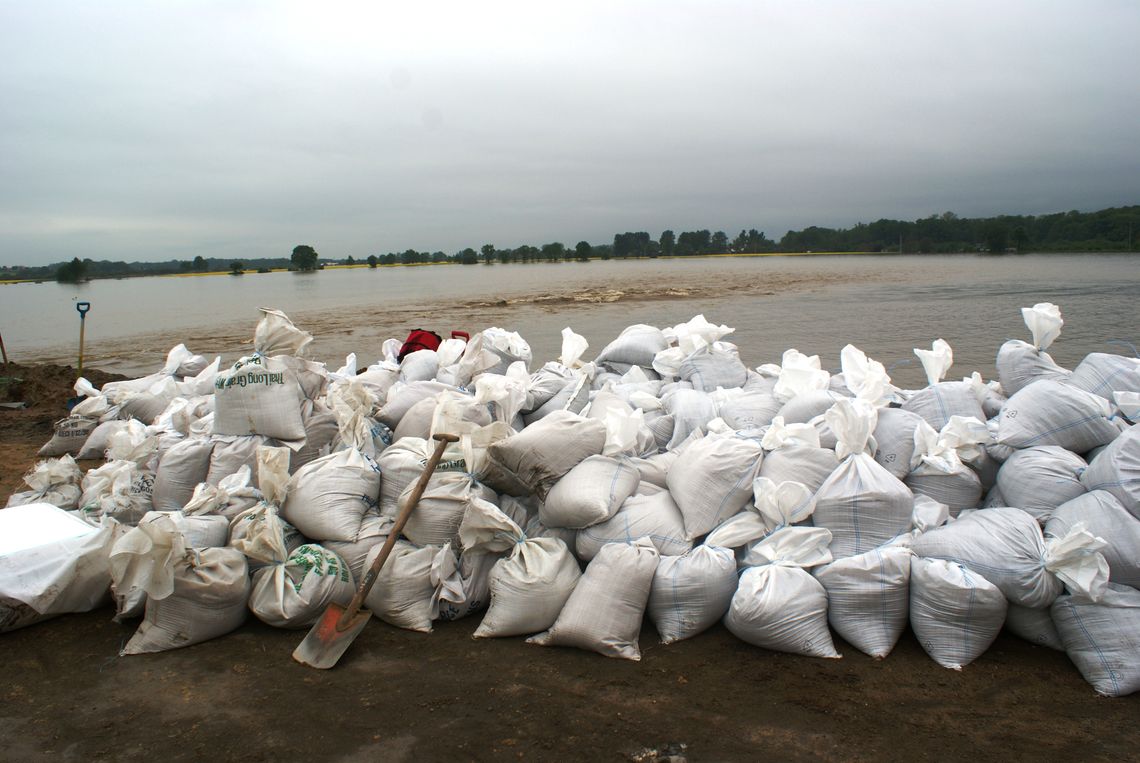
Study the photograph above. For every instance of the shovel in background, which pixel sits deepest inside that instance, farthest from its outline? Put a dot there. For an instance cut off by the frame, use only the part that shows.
(331, 636)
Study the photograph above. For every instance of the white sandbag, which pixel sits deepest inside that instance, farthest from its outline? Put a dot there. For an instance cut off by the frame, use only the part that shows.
(714, 366)
(1103, 374)
(590, 493)
(403, 462)
(685, 339)
(504, 395)
(960, 489)
(805, 464)
(863, 505)
(571, 397)
(936, 361)
(69, 435)
(373, 532)
(180, 470)
(146, 558)
(544, 451)
(329, 497)
(379, 377)
(185, 417)
(552, 387)
(774, 507)
(1104, 517)
(402, 396)
(654, 468)
(263, 536)
(1019, 364)
(296, 593)
(662, 426)
(403, 590)
(654, 516)
(92, 404)
(458, 413)
(635, 346)
(202, 531)
(96, 444)
(210, 591)
(136, 442)
(1053, 413)
(894, 436)
(536, 529)
(712, 479)
(605, 609)
(321, 430)
(868, 598)
(749, 409)
(806, 406)
(231, 453)
(276, 334)
(691, 410)
(55, 481)
(799, 374)
(1100, 638)
(989, 394)
(461, 581)
(417, 421)
(938, 402)
(504, 347)
(231, 496)
(955, 613)
(259, 395)
(691, 592)
(436, 518)
(51, 563)
(928, 514)
(118, 489)
(1007, 548)
(865, 378)
(1039, 479)
(528, 587)
(1117, 470)
(1044, 322)
(626, 432)
(778, 605)
(1034, 625)
(1128, 403)
(938, 472)
(421, 365)
(148, 406)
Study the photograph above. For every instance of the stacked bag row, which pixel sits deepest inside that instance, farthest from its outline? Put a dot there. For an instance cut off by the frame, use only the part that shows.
(664, 477)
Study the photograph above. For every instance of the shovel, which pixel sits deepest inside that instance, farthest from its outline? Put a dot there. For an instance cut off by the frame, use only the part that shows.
(331, 636)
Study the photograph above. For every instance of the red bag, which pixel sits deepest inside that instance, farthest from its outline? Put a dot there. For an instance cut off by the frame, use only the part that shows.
(419, 339)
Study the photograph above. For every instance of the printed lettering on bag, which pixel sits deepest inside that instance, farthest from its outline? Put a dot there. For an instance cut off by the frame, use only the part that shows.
(267, 378)
(454, 465)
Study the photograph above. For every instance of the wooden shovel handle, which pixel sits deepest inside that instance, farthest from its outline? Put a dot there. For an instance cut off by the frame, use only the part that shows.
(441, 443)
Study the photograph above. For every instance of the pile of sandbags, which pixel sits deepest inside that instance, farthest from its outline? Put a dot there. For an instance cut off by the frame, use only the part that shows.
(665, 477)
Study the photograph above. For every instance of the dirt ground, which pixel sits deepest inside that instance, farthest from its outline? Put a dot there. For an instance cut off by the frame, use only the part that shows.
(398, 695)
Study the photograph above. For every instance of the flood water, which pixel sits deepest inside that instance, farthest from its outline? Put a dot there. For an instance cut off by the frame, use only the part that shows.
(884, 304)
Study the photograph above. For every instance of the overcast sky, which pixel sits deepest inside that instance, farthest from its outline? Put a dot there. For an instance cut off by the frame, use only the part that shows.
(165, 130)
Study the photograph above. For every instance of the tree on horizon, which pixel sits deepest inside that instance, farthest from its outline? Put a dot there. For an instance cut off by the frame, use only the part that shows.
(304, 258)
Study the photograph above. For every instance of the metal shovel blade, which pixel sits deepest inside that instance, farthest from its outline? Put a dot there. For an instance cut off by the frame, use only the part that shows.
(326, 642)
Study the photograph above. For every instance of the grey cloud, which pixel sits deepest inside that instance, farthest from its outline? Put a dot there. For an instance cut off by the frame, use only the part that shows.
(140, 132)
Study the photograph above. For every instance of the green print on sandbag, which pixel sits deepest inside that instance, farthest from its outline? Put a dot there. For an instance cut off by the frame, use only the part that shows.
(316, 560)
(268, 378)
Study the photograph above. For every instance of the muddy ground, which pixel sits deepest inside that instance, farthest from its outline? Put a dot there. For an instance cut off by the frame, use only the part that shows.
(398, 695)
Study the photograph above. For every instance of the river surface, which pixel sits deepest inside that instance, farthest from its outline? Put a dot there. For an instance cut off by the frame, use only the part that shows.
(884, 304)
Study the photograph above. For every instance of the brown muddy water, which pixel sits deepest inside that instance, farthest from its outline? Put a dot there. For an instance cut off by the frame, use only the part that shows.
(884, 304)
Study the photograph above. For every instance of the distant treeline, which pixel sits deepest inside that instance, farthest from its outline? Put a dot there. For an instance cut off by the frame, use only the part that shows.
(1105, 230)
